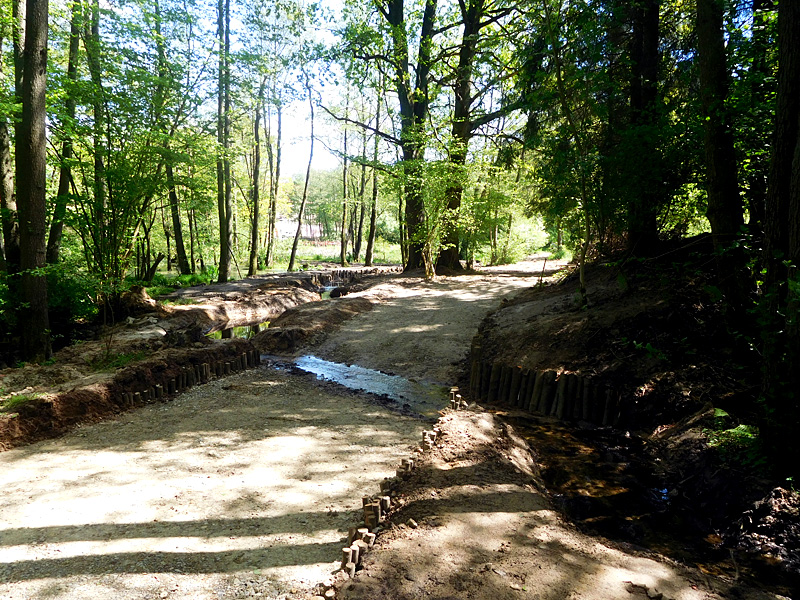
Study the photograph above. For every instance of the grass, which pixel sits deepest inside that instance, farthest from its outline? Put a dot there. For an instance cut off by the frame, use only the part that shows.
(13, 403)
(111, 362)
(735, 443)
(384, 253)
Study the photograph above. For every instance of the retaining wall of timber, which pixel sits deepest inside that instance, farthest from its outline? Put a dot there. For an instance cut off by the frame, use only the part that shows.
(565, 396)
(155, 380)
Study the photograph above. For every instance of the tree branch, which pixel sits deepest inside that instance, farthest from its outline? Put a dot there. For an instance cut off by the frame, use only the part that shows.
(378, 132)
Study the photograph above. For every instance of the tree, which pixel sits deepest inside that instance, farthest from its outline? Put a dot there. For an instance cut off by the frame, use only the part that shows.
(414, 103)
(224, 205)
(782, 252)
(31, 167)
(725, 212)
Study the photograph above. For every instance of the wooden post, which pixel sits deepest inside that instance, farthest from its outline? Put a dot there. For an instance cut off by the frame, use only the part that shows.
(347, 555)
(586, 400)
(505, 385)
(570, 396)
(486, 373)
(536, 395)
(494, 382)
(513, 385)
(523, 388)
(548, 392)
(362, 549)
(527, 397)
(354, 551)
(159, 392)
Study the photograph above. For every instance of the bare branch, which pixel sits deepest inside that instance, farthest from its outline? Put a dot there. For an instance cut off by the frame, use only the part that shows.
(378, 132)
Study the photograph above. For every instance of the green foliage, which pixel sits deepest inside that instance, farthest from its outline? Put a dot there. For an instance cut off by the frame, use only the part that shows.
(735, 443)
(13, 403)
(72, 292)
(111, 362)
(646, 347)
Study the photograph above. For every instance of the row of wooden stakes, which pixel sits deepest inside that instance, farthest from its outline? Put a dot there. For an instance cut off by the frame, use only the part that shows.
(566, 396)
(361, 539)
(191, 376)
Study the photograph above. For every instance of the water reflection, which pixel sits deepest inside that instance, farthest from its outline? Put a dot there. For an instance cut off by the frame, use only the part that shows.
(423, 398)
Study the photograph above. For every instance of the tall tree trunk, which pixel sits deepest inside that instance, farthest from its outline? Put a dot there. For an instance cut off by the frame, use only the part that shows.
(782, 254)
(414, 107)
(161, 96)
(724, 202)
(725, 213)
(273, 208)
(174, 209)
(373, 213)
(308, 178)
(223, 124)
(471, 16)
(359, 233)
(8, 208)
(65, 171)
(644, 203)
(255, 195)
(343, 232)
(31, 166)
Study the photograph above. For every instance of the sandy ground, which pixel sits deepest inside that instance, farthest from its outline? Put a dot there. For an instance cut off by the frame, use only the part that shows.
(245, 487)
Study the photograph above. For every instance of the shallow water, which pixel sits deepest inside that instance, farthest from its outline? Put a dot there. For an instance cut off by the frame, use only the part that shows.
(422, 398)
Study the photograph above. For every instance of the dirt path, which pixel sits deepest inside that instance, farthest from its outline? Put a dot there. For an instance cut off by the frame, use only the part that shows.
(239, 488)
(423, 329)
(245, 487)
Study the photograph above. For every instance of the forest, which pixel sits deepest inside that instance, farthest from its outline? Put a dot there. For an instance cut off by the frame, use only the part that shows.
(143, 137)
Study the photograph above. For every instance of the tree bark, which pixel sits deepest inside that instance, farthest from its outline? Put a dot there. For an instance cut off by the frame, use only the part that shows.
(647, 198)
(758, 74)
(414, 106)
(276, 182)
(461, 132)
(223, 139)
(724, 202)
(373, 214)
(31, 166)
(725, 212)
(8, 208)
(782, 253)
(343, 231)
(255, 195)
(92, 45)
